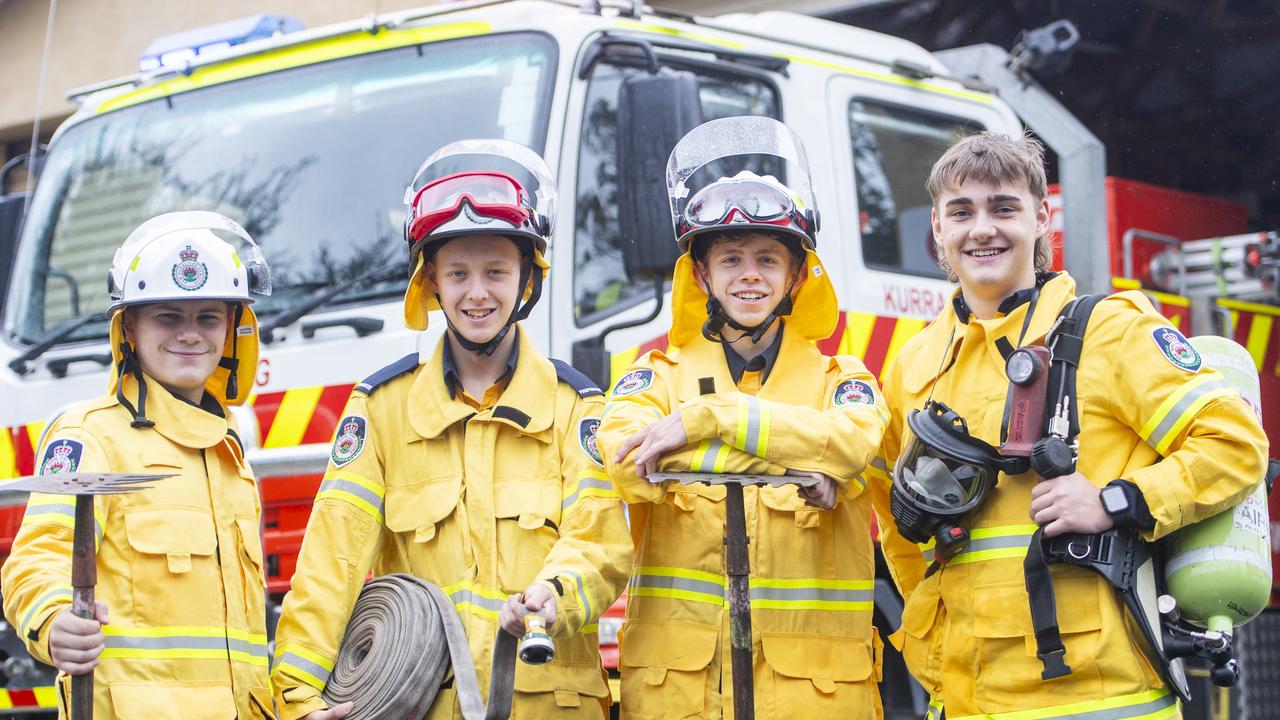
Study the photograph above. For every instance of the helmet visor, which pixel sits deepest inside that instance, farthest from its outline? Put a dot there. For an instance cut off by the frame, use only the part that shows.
(739, 201)
(492, 194)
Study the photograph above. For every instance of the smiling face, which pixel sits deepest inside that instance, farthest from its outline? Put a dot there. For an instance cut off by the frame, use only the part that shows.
(749, 274)
(987, 234)
(178, 343)
(478, 279)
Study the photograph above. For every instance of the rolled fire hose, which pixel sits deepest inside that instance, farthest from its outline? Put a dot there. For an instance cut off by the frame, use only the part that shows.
(402, 636)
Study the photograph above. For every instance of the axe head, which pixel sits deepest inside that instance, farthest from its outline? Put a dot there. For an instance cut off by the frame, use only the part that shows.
(81, 483)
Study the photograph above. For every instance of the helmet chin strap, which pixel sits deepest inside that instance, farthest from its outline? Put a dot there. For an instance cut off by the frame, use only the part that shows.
(518, 313)
(717, 318)
(129, 365)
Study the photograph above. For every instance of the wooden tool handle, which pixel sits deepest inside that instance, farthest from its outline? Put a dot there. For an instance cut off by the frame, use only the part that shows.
(84, 575)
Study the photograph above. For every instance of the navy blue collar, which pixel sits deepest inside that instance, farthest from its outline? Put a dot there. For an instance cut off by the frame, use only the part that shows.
(451, 380)
(762, 363)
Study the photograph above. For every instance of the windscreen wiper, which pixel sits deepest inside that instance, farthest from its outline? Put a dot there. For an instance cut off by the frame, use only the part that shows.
(266, 331)
(22, 364)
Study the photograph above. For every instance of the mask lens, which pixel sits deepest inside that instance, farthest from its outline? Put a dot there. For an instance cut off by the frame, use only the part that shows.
(757, 201)
(491, 194)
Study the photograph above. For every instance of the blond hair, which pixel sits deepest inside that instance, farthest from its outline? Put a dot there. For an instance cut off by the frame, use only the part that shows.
(995, 159)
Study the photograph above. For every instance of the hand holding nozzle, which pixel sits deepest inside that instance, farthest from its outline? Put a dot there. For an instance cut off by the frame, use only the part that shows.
(528, 616)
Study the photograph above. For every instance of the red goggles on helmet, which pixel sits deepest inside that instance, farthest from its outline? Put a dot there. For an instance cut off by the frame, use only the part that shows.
(734, 201)
(491, 194)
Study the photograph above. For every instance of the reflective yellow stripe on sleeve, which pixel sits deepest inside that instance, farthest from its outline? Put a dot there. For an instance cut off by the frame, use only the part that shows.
(879, 468)
(309, 667)
(595, 484)
(184, 642)
(58, 593)
(1150, 705)
(59, 510)
(753, 426)
(709, 456)
(353, 490)
(1177, 411)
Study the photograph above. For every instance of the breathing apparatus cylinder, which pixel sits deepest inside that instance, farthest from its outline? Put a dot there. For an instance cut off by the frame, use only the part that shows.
(1218, 571)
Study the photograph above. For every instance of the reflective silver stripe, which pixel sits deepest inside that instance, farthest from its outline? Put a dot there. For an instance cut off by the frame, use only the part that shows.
(66, 510)
(457, 597)
(810, 593)
(582, 591)
(1175, 413)
(705, 461)
(878, 463)
(313, 669)
(185, 642)
(996, 543)
(1120, 713)
(587, 482)
(753, 427)
(666, 582)
(927, 554)
(40, 604)
(356, 489)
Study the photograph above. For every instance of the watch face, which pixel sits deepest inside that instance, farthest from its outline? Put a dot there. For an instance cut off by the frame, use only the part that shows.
(1114, 500)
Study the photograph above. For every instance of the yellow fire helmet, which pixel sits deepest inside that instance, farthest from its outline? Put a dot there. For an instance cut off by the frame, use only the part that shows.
(478, 187)
(750, 200)
(191, 256)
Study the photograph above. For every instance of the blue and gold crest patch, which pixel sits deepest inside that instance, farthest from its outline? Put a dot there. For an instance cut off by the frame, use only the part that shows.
(61, 457)
(633, 382)
(587, 439)
(349, 441)
(853, 392)
(1177, 349)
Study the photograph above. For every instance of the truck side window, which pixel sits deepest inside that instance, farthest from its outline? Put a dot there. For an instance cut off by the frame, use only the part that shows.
(600, 284)
(893, 151)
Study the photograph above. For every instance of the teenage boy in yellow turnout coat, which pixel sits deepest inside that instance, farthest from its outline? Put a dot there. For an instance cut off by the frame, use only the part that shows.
(1174, 440)
(476, 468)
(179, 626)
(744, 389)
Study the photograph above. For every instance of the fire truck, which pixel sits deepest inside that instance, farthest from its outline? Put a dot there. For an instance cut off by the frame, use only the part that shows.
(307, 137)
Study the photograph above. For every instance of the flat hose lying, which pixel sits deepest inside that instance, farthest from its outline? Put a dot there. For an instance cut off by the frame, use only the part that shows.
(401, 638)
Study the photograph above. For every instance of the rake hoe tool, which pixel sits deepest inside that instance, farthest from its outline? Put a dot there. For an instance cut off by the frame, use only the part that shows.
(738, 570)
(84, 556)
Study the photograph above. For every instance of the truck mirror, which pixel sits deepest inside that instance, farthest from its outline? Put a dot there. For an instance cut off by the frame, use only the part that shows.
(11, 209)
(654, 112)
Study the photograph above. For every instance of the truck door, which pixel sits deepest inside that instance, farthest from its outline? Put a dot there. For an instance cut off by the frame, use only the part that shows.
(886, 137)
(601, 293)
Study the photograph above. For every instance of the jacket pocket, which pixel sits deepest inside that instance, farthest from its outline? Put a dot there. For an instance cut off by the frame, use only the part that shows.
(419, 509)
(1007, 664)
(527, 516)
(918, 634)
(559, 688)
(664, 665)
(147, 701)
(171, 550)
(251, 565)
(818, 676)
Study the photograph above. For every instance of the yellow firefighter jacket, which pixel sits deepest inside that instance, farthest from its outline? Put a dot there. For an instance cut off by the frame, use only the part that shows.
(179, 564)
(480, 503)
(1149, 414)
(816, 653)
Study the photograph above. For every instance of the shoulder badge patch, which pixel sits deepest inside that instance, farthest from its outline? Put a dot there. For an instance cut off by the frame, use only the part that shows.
(633, 382)
(1177, 349)
(853, 392)
(61, 457)
(350, 440)
(587, 439)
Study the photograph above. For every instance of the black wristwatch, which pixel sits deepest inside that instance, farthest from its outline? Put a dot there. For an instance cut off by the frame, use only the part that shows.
(1126, 506)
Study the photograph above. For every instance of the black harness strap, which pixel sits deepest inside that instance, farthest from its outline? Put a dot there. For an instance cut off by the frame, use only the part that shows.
(1066, 339)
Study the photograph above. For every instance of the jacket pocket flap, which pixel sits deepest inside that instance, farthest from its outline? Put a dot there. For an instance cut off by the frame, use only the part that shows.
(921, 611)
(146, 701)
(153, 459)
(648, 643)
(250, 538)
(409, 507)
(580, 678)
(818, 657)
(784, 498)
(170, 531)
(1002, 610)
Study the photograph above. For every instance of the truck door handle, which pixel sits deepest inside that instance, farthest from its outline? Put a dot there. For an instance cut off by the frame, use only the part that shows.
(58, 366)
(362, 325)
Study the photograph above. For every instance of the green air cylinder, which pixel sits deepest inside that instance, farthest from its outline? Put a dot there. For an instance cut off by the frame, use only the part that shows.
(1219, 570)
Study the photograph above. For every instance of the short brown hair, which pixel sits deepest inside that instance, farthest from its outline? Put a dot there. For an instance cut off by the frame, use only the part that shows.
(994, 158)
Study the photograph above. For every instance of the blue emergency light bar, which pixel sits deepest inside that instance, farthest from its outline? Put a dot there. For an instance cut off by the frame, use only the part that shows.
(178, 49)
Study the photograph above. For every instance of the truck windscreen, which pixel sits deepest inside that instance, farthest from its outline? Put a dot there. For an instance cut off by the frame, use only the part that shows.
(312, 161)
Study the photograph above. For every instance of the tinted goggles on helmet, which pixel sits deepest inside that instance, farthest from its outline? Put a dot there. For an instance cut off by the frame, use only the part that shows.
(746, 200)
(491, 194)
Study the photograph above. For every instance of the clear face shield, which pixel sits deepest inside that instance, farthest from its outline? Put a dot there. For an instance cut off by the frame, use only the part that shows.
(189, 271)
(715, 179)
